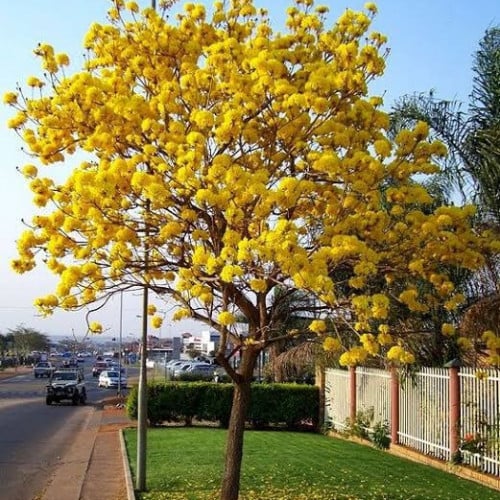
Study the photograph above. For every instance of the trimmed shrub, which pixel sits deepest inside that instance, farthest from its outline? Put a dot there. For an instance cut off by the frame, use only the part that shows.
(215, 403)
(293, 405)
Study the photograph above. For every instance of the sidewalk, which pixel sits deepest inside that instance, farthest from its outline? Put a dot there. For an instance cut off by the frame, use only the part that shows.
(107, 476)
(96, 466)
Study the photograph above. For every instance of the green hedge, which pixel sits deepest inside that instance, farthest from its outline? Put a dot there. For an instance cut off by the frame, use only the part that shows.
(293, 405)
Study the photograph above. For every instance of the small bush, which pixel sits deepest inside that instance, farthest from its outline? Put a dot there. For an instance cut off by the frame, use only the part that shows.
(361, 426)
(364, 428)
(379, 436)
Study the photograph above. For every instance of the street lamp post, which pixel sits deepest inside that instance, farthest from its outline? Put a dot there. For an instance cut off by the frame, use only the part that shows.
(142, 408)
(120, 393)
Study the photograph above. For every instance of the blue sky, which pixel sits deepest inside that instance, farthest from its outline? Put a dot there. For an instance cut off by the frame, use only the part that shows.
(431, 47)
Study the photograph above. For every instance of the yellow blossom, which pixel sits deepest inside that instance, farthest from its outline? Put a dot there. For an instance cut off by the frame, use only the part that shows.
(156, 321)
(10, 98)
(181, 313)
(464, 343)
(317, 326)
(225, 318)
(30, 171)
(258, 285)
(447, 329)
(33, 81)
(95, 327)
(331, 344)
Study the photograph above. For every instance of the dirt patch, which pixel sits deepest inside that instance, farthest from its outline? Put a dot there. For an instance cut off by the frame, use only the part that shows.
(13, 372)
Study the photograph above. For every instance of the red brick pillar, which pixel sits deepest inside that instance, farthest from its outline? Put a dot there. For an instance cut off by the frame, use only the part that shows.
(454, 390)
(352, 394)
(394, 405)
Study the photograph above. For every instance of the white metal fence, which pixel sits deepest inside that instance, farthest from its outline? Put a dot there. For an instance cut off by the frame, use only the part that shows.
(423, 417)
(424, 406)
(480, 404)
(336, 397)
(373, 393)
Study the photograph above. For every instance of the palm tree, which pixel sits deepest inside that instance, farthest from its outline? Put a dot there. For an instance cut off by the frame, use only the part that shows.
(472, 168)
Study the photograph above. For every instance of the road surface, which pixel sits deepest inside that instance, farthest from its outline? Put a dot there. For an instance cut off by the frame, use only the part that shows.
(34, 437)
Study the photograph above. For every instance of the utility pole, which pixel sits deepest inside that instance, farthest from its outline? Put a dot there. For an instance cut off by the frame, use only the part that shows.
(142, 399)
(120, 392)
(142, 406)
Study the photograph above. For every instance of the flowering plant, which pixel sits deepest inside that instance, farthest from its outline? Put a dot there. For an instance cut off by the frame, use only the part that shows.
(473, 443)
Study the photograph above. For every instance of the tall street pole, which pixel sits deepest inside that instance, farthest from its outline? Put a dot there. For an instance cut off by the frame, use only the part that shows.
(142, 397)
(120, 395)
(142, 406)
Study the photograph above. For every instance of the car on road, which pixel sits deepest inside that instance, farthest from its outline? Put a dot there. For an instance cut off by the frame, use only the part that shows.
(66, 384)
(99, 366)
(112, 378)
(70, 362)
(43, 369)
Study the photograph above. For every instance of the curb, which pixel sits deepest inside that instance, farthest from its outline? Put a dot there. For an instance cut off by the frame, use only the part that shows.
(126, 469)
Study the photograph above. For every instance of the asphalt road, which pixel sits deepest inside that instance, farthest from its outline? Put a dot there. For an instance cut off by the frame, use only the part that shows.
(34, 437)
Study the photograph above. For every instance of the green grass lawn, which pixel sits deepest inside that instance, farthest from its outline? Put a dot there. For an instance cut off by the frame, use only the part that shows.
(186, 464)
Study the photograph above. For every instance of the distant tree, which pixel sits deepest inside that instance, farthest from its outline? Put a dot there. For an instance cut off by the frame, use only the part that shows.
(3, 344)
(25, 340)
(222, 160)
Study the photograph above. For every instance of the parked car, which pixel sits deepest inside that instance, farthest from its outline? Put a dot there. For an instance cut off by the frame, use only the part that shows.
(173, 364)
(181, 368)
(43, 369)
(204, 370)
(111, 378)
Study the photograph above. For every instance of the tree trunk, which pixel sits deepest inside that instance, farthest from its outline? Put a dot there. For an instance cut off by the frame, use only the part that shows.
(234, 445)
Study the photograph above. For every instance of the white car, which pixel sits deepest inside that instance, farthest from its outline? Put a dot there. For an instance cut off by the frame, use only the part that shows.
(111, 378)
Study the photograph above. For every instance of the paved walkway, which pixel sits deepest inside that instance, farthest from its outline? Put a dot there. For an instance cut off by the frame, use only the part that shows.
(94, 467)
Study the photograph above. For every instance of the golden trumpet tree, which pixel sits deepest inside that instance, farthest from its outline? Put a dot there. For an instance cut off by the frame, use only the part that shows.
(213, 159)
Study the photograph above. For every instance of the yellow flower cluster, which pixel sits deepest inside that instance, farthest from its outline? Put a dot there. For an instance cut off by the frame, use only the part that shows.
(226, 318)
(317, 326)
(491, 339)
(447, 329)
(355, 356)
(95, 327)
(156, 321)
(331, 344)
(375, 306)
(398, 354)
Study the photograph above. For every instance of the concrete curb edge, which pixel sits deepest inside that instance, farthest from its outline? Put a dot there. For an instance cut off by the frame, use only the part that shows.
(126, 469)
